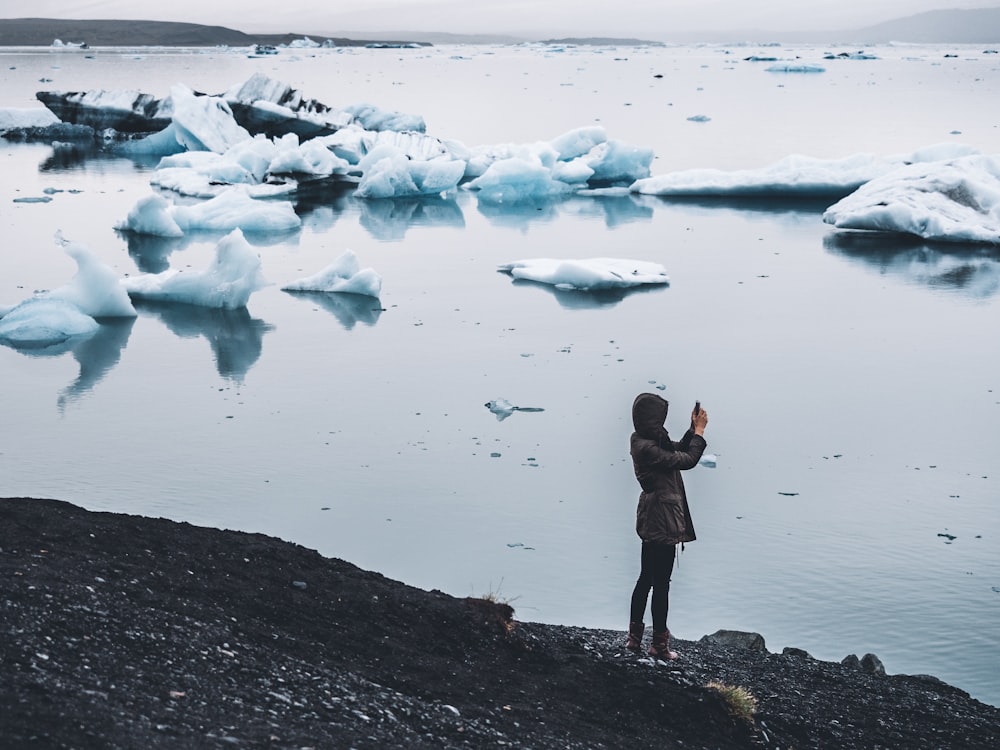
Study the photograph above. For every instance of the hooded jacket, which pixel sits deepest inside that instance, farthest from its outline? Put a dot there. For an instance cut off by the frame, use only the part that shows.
(663, 514)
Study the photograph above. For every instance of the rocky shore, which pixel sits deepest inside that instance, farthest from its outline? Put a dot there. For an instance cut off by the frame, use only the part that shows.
(120, 631)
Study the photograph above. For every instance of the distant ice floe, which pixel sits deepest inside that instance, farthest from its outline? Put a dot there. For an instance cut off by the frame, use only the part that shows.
(795, 68)
(235, 274)
(70, 311)
(957, 200)
(593, 274)
(795, 175)
(343, 275)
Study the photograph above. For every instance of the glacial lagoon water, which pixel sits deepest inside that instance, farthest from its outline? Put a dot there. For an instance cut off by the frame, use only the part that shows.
(852, 382)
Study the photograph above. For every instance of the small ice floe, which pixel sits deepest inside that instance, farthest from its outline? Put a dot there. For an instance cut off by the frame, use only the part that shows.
(503, 408)
(592, 274)
(956, 200)
(795, 68)
(709, 460)
(232, 209)
(70, 311)
(699, 118)
(227, 283)
(343, 275)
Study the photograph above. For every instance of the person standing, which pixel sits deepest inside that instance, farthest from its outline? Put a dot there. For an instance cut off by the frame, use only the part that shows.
(662, 518)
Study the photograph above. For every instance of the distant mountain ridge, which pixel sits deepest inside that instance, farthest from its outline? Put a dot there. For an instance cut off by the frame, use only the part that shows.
(41, 32)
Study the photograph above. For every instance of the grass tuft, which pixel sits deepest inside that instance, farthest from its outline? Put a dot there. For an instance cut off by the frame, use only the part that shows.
(741, 702)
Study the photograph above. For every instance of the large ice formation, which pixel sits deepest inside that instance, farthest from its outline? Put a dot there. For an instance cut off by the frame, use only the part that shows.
(232, 209)
(956, 200)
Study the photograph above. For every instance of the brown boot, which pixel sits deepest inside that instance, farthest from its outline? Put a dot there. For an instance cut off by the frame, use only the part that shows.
(660, 647)
(635, 631)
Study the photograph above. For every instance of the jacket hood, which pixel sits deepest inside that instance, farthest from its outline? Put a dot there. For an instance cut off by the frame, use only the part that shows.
(649, 412)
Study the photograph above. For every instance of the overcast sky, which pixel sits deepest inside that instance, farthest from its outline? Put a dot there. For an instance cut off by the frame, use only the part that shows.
(642, 18)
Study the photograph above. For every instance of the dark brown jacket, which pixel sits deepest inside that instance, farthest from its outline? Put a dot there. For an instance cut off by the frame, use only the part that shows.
(663, 514)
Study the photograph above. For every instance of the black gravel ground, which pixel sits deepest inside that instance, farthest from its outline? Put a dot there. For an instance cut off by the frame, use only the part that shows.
(119, 631)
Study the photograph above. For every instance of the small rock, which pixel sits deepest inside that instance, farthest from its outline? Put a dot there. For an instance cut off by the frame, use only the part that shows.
(872, 665)
(301, 585)
(796, 652)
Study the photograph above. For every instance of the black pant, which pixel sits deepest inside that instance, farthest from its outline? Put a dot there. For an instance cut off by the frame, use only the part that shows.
(657, 565)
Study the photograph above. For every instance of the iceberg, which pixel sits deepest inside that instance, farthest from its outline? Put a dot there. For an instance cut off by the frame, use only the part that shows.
(127, 111)
(371, 117)
(232, 209)
(592, 274)
(957, 200)
(388, 173)
(235, 273)
(69, 312)
(41, 322)
(343, 275)
(517, 180)
(263, 105)
(204, 123)
(17, 118)
(795, 175)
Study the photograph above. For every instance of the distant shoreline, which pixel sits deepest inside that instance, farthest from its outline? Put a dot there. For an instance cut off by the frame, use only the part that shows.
(42, 32)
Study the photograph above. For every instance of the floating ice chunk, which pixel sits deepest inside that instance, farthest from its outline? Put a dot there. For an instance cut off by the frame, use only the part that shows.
(234, 275)
(795, 68)
(264, 105)
(343, 275)
(388, 173)
(127, 111)
(578, 142)
(515, 180)
(708, 460)
(615, 161)
(587, 275)
(41, 322)
(204, 123)
(152, 215)
(937, 152)
(232, 209)
(310, 158)
(794, 175)
(371, 117)
(953, 201)
(12, 118)
(95, 289)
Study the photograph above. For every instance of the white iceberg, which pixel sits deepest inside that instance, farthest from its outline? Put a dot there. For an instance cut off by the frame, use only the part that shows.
(234, 275)
(12, 118)
(204, 123)
(371, 117)
(794, 175)
(517, 180)
(232, 209)
(951, 201)
(343, 275)
(591, 274)
(41, 322)
(70, 311)
(388, 173)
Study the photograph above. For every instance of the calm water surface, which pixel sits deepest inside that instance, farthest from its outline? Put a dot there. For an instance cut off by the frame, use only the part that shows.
(852, 383)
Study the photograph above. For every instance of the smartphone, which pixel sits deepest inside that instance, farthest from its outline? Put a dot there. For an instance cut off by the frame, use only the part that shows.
(697, 406)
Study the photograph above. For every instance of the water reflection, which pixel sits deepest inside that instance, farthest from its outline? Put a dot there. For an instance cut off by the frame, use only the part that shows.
(235, 337)
(388, 219)
(96, 354)
(791, 207)
(348, 309)
(973, 270)
(89, 156)
(576, 299)
(615, 210)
